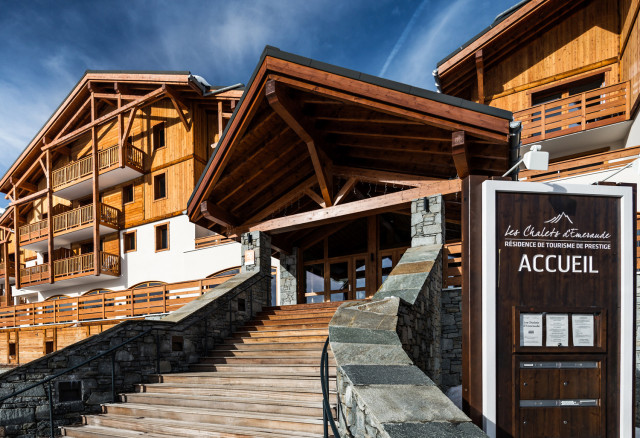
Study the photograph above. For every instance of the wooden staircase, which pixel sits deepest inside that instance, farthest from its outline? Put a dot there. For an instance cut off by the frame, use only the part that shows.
(263, 382)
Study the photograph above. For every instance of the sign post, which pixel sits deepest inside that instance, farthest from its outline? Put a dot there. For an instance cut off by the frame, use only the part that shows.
(558, 300)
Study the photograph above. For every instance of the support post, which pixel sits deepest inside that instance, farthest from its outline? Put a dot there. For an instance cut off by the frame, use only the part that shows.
(289, 278)
(259, 244)
(427, 221)
(50, 245)
(16, 234)
(96, 191)
(8, 299)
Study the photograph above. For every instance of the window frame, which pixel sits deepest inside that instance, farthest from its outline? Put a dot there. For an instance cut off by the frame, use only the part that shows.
(155, 237)
(166, 190)
(135, 241)
(133, 194)
(155, 133)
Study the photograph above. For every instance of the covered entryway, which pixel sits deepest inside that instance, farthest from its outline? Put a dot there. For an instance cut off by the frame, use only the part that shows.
(327, 161)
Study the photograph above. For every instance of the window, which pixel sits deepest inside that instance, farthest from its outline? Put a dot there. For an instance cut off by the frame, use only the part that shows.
(160, 186)
(48, 347)
(159, 136)
(12, 348)
(129, 241)
(162, 237)
(127, 194)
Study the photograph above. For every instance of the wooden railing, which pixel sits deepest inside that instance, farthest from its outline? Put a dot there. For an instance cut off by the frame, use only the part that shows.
(34, 274)
(82, 264)
(581, 166)
(84, 215)
(591, 109)
(109, 305)
(7, 268)
(452, 258)
(216, 239)
(33, 231)
(107, 158)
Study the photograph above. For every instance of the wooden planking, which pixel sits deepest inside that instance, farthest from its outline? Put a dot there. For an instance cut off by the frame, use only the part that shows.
(630, 61)
(179, 185)
(566, 46)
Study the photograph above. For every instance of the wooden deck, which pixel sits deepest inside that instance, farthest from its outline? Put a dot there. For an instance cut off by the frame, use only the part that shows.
(592, 109)
(109, 305)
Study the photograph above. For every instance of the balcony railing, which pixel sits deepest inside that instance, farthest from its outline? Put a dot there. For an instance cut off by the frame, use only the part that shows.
(7, 268)
(34, 274)
(216, 239)
(128, 303)
(582, 166)
(83, 264)
(591, 109)
(68, 221)
(32, 232)
(107, 158)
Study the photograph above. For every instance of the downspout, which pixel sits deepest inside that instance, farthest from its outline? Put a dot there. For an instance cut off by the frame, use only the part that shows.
(515, 129)
(222, 90)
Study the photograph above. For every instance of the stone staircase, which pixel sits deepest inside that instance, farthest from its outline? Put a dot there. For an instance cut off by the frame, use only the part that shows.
(263, 382)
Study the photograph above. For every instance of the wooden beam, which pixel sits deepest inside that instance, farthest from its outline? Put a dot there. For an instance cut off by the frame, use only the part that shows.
(283, 201)
(7, 285)
(315, 197)
(352, 210)
(291, 114)
(29, 187)
(27, 173)
(73, 119)
(370, 175)
(310, 239)
(213, 213)
(16, 227)
(344, 191)
(116, 96)
(178, 108)
(97, 266)
(127, 130)
(29, 198)
(121, 138)
(50, 244)
(627, 25)
(460, 153)
(135, 104)
(480, 76)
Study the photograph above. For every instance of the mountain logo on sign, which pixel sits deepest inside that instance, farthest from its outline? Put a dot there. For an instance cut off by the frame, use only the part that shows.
(558, 218)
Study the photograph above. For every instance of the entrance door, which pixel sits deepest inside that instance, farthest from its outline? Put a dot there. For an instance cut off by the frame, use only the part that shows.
(335, 279)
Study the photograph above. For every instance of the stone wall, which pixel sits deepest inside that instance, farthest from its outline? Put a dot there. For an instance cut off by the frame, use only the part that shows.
(168, 345)
(451, 337)
(427, 221)
(382, 393)
(288, 278)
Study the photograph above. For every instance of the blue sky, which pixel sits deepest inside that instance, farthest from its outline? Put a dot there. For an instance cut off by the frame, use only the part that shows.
(47, 45)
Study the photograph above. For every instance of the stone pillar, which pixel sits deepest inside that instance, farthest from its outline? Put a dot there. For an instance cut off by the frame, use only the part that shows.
(260, 244)
(427, 221)
(289, 278)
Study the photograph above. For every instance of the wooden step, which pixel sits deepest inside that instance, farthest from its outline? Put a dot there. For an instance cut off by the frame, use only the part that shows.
(213, 416)
(330, 305)
(293, 321)
(167, 427)
(292, 316)
(258, 381)
(237, 344)
(267, 360)
(230, 402)
(300, 333)
(287, 326)
(262, 369)
(281, 339)
(266, 352)
(280, 393)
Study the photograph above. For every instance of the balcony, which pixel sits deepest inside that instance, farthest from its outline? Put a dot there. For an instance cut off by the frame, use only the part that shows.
(7, 269)
(80, 268)
(72, 226)
(592, 109)
(73, 181)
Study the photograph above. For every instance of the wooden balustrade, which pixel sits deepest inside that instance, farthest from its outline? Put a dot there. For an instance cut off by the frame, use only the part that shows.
(34, 274)
(34, 231)
(107, 158)
(216, 239)
(128, 303)
(73, 219)
(581, 166)
(109, 215)
(7, 268)
(84, 263)
(452, 257)
(591, 109)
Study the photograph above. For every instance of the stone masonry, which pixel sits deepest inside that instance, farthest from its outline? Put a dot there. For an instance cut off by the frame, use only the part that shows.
(451, 338)
(166, 345)
(288, 278)
(427, 221)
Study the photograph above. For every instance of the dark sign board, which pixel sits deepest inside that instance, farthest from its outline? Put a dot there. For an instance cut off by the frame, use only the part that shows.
(557, 310)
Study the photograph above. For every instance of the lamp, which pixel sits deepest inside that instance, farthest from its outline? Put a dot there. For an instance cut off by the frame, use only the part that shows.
(535, 159)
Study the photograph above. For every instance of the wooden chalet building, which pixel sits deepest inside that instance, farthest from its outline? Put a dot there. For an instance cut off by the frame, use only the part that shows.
(569, 73)
(95, 224)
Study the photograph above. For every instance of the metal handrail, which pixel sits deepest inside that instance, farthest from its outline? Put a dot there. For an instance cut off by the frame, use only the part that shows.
(48, 380)
(112, 351)
(327, 416)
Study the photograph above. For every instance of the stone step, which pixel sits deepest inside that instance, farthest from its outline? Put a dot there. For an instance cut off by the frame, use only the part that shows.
(278, 393)
(230, 402)
(213, 416)
(267, 360)
(167, 427)
(258, 381)
(273, 333)
(261, 369)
